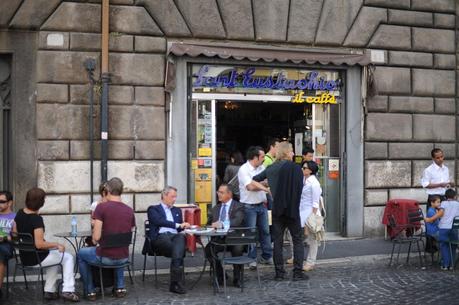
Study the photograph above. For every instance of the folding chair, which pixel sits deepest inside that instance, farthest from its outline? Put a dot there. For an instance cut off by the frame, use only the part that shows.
(455, 241)
(242, 236)
(405, 234)
(24, 242)
(148, 251)
(117, 240)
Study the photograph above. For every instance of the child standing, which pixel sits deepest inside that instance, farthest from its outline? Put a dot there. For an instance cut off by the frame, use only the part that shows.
(6, 225)
(451, 210)
(434, 212)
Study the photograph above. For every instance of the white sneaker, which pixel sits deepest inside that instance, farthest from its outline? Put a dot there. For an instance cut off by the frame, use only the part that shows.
(253, 265)
(307, 267)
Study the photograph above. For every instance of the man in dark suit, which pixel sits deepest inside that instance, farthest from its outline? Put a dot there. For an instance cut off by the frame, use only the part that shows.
(165, 224)
(227, 208)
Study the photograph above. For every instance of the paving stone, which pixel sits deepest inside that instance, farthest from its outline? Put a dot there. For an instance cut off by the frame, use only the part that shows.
(433, 40)
(52, 150)
(410, 18)
(8, 8)
(132, 20)
(141, 122)
(412, 59)
(388, 127)
(434, 127)
(378, 103)
(434, 5)
(337, 18)
(389, 3)
(150, 96)
(53, 93)
(68, 17)
(427, 82)
(444, 21)
(168, 17)
(391, 37)
(270, 19)
(392, 80)
(53, 40)
(375, 150)
(365, 25)
(375, 197)
(137, 69)
(31, 14)
(64, 67)
(445, 105)
(444, 61)
(152, 150)
(303, 20)
(202, 17)
(411, 104)
(237, 18)
(380, 174)
(409, 150)
(150, 44)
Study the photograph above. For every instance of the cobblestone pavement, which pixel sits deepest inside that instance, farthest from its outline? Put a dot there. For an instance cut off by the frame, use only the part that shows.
(356, 282)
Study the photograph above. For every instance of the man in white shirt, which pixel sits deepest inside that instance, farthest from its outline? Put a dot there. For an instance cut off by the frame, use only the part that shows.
(450, 210)
(253, 196)
(435, 178)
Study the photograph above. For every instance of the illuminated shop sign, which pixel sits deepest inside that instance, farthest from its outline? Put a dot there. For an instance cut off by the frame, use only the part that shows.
(246, 79)
(324, 98)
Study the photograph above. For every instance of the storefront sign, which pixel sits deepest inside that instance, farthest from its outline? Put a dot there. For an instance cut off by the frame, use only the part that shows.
(324, 98)
(246, 79)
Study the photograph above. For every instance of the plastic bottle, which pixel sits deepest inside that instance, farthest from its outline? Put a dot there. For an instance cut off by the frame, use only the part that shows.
(74, 226)
(226, 225)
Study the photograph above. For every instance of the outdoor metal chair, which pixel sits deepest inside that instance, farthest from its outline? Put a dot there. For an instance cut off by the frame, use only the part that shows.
(24, 242)
(455, 241)
(148, 251)
(239, 236)
(117, 240)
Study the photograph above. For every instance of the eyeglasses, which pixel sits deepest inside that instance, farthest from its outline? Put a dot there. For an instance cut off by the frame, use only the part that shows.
(3, 201)
(304, 167)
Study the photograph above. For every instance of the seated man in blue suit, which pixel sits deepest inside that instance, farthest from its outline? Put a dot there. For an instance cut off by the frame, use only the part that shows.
(165, 224)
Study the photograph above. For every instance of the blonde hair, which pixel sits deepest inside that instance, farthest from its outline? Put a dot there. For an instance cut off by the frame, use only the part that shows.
(283, 150)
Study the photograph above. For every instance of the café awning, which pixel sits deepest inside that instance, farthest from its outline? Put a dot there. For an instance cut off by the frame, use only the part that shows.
(270, 53)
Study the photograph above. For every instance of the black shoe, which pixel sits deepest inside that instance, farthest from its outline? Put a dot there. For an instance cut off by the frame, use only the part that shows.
(237, 283)
(300, 277)
(177, 288)
(280, 276)
(51, 295)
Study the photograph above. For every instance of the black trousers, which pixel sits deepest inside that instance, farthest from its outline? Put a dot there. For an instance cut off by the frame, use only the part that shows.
(279, 224)
(212, 250)
(173, 246)
(429, 199)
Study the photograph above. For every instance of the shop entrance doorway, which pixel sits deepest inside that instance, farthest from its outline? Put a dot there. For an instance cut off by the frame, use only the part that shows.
(221, 125)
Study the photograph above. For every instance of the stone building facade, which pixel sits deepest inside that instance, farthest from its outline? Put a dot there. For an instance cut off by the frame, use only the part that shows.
(44, 44)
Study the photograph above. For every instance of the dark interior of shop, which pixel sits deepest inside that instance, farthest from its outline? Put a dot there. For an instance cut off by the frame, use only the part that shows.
(242, 124)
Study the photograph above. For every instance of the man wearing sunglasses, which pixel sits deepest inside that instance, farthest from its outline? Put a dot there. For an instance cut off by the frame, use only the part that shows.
(6, 225)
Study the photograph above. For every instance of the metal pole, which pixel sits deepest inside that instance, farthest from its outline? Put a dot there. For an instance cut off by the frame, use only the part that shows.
(90, 65)
(105, 81)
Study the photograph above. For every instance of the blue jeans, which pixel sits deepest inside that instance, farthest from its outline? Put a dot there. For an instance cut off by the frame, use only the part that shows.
(444, 236)
(257, 215)
(88, 255)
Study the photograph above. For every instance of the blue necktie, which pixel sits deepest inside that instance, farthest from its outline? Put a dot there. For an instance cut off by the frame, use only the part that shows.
(223, 213)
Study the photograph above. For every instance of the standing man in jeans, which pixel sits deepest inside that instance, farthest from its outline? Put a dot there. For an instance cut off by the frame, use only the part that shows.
(110, 217)
(253, 196)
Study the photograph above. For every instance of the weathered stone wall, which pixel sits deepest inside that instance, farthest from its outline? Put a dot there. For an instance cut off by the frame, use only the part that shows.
(414, 111)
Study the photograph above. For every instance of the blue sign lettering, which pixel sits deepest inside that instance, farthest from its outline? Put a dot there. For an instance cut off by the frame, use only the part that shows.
(245, 79)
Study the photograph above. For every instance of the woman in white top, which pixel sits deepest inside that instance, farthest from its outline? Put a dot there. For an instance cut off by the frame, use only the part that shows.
(310, 203)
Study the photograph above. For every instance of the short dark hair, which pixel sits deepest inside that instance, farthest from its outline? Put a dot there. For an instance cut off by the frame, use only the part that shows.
(308, 150)
(7, 195)
(313, 167)
(434, 151)
(237, 156)
(253, 151)
(271, 142)
(450, 194)
(102, 188)
(434, 197)
(228, 187)
(114, 186)
(35, 199)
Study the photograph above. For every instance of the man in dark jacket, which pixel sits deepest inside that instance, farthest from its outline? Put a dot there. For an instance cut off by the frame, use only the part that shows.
(285, 180)
(227, 208)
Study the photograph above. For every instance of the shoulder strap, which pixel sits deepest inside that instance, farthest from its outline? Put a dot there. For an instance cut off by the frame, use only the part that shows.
(232, 179)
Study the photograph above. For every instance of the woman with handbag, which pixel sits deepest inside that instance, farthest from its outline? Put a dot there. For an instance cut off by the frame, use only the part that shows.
(310, 210)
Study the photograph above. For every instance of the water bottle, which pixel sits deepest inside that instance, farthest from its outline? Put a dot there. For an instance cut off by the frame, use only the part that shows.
(226, 225)
(74, 226)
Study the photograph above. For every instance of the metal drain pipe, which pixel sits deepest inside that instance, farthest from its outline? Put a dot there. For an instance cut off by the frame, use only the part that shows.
(105, 76)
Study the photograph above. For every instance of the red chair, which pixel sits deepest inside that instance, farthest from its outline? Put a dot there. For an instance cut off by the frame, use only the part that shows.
(192, 215)
(399, 209)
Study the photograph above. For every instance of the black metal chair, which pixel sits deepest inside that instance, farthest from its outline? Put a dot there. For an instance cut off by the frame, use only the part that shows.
(24, 242)
(148, 251)
(407, 234)
(240, 236)
(455, 241)
(117, 240)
